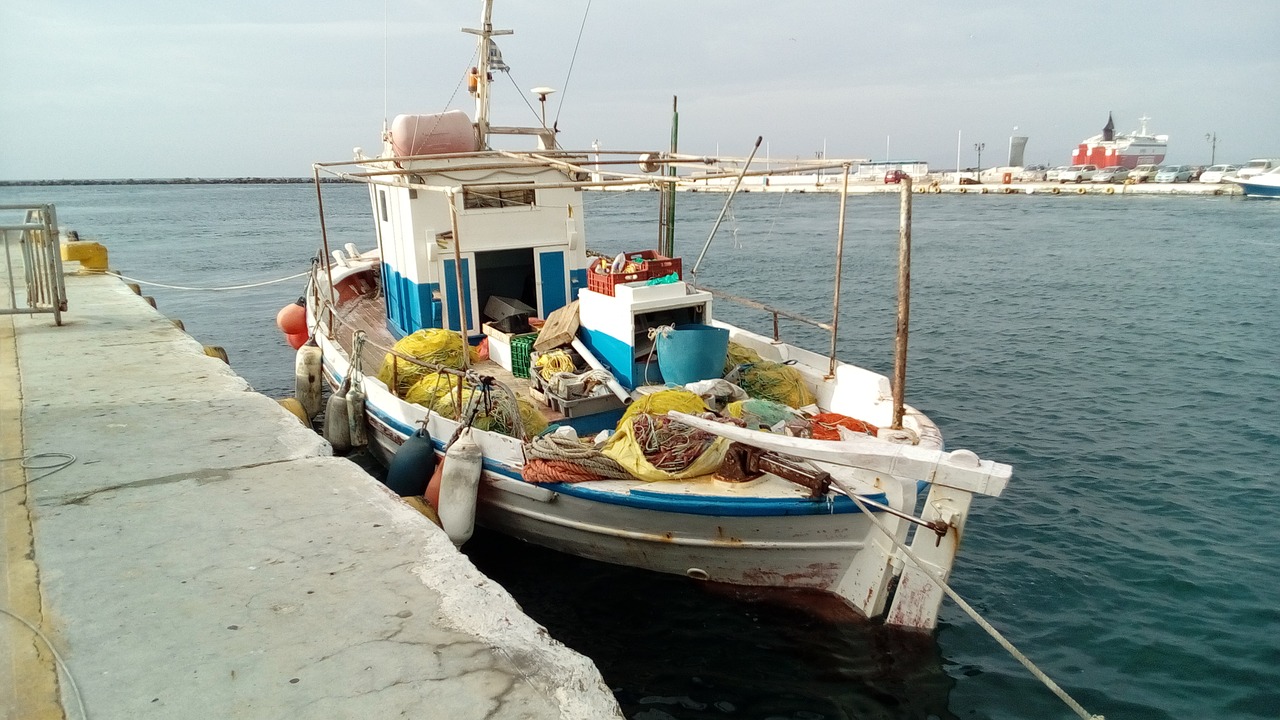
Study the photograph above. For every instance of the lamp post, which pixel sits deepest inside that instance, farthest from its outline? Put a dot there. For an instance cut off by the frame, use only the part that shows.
(979, 147)
(1212, 139)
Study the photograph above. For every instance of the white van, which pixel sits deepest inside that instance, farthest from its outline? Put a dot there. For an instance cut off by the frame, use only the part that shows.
(1257, 167)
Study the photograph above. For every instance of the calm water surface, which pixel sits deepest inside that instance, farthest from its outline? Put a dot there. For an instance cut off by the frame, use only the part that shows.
(1121, 353)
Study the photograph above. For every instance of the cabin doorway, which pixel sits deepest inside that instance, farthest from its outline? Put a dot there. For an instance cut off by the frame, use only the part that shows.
(506, 273)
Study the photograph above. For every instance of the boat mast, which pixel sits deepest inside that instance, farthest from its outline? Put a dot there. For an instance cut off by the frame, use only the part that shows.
(484, 47)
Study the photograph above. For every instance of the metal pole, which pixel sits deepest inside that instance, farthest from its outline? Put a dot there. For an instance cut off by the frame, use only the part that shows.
(670, 249)
(55, 264)
(835, 303)
(324, 238)
(737, 184)
(457, 271)
(60, 283)
(904, 304)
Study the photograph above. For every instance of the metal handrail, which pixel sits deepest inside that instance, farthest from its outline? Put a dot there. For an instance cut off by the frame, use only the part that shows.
(40, 260)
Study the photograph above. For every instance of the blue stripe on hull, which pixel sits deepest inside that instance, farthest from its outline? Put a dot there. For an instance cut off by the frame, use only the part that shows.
(643, 499)
(1256, 190)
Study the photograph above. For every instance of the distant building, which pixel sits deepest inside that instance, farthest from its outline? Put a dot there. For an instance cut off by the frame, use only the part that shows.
(876, 170)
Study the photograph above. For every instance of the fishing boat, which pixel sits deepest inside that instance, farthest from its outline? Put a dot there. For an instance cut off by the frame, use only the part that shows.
(1265, 185)
(822, 479)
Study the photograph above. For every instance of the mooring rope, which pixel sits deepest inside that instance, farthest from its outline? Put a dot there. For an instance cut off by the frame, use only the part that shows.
(209, 289)
(982, 622)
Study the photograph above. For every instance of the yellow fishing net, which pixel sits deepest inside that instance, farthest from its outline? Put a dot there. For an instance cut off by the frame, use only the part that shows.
(432, 345)
(739, 355)
(660, 402)
(431, 387)
(658, 448)
(496, 415)
(766, 379)
(777, 382)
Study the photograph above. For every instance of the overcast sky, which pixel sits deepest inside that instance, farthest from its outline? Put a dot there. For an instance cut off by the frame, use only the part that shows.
(151, 88)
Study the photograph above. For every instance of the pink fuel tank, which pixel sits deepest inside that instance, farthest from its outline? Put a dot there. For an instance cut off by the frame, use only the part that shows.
(435, 134)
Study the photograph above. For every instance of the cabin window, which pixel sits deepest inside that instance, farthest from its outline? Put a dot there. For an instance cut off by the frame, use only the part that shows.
(382, 202)
(497, 198)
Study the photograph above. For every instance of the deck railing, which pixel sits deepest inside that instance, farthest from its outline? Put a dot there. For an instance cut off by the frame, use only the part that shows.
(31, 250)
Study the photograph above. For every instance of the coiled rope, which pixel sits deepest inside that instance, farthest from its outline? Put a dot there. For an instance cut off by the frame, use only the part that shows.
(1031, 667)
(558, 448)
(65, 460)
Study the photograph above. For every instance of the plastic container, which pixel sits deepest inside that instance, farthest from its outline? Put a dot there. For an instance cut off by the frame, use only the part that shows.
(604, 283)
(652, 265)
(521, 346)
(658, 265)
(692, 352)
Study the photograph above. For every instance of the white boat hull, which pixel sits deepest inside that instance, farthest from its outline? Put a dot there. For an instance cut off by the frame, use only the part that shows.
(691, 529)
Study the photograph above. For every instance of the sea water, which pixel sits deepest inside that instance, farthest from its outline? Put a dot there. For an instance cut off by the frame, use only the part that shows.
(1122, 353)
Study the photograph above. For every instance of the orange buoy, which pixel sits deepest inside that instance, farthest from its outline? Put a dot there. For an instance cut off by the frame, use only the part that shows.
(296, 340)
(433, 486)
(292, 319)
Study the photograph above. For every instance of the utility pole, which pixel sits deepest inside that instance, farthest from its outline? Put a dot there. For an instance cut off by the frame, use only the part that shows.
(979, 147)
(1212, 139)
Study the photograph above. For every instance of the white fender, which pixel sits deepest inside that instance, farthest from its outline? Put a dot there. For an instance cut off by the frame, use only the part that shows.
(306, 376)
(357, 431)
(459, 483)
(335, 423)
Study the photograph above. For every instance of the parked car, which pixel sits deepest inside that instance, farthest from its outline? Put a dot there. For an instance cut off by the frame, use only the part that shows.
(1174, 174)
(1216, 173)
(1144, 173)
(1033, 173)
(1196, 170)
(1077, 173)
(1054, 174)
(1115, 174)
(894, 177)
(1257, 167)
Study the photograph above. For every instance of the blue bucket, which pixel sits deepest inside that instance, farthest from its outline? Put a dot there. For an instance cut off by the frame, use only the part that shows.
(691, 353)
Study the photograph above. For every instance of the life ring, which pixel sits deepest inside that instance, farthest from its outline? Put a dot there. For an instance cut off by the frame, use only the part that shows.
(1055, 191)
(936, 189)
(1081, 191)
(984, 191)
(1009, 191)
(1217, 191)
(1111, 191)
(964, 190)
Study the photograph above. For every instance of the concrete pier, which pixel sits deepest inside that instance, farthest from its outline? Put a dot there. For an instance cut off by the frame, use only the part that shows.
(201, 554)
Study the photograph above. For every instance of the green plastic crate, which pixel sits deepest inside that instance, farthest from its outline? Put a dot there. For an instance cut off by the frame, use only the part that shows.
(521, 346)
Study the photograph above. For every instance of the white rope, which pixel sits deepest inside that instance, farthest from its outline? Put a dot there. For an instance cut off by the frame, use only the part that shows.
(29, 462)
(65, 460)
(982, 623)
(62, 664)
(229, 287)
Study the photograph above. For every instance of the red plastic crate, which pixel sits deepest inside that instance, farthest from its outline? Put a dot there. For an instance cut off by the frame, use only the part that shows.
(604, 282)
(658, 265)
(652, 265)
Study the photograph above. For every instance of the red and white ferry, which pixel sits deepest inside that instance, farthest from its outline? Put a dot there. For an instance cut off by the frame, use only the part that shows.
(1109, 149)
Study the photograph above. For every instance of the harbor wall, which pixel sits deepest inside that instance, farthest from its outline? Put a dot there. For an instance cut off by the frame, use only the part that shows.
(197, 552)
